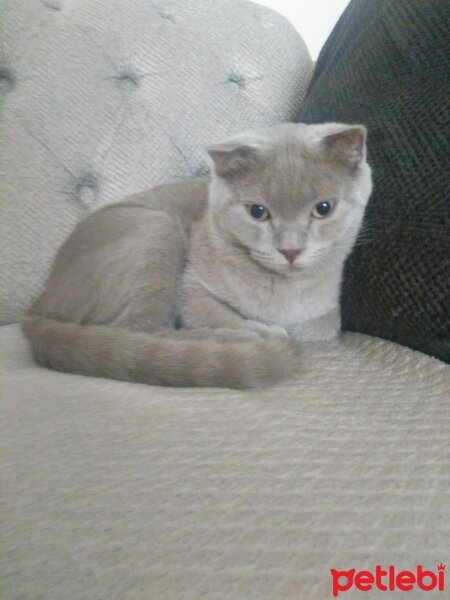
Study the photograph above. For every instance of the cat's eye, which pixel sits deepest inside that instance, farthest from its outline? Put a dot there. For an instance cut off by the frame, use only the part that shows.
(258, 212)
(322, 209)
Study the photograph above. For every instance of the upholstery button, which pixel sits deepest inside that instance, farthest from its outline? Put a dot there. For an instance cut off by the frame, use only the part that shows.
(167, 16)
(7, 81)
(87, 190)
(238, 81)
(127, 81)
(52, 4)
(200, 170)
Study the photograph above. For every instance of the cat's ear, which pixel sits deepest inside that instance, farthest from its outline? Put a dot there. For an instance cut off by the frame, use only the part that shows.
(236, 154)
(347, 146)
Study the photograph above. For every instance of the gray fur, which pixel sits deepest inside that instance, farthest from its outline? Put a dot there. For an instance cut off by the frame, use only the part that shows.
(190, 253)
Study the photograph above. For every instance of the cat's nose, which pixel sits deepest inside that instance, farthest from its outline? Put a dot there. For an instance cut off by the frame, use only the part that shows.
(291, 254)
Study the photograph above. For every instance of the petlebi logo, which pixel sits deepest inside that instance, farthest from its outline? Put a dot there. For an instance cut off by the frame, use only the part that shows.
(388, 580)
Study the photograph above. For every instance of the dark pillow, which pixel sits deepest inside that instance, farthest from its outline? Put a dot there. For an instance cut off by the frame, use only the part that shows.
(386, 64)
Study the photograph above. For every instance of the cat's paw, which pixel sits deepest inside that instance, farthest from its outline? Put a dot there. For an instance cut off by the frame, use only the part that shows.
(267, 331)
(236, 335)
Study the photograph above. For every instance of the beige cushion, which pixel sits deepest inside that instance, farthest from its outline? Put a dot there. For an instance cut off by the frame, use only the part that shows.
(118, 491)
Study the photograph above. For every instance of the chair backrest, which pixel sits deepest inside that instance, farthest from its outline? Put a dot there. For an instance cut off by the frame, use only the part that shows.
(103, 99)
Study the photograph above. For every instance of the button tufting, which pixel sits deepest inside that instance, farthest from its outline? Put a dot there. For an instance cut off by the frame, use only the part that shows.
(87, 190)
(200, 170)
(167, 16)
(127, 80)
(52, 4)
(236, 80)
(7, 80)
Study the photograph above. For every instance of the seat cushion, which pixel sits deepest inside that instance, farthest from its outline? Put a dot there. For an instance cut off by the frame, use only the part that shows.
(387, 65)
(120, 491)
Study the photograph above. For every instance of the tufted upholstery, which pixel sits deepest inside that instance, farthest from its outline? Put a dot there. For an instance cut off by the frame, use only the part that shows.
(102, 99)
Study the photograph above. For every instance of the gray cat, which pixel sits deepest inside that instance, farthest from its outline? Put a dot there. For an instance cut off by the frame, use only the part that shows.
(215, 281)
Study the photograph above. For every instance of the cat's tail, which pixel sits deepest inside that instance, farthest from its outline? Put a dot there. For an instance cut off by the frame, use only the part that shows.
(185, 358)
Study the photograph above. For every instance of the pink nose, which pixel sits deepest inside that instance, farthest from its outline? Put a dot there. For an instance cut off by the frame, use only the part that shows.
(291, 255)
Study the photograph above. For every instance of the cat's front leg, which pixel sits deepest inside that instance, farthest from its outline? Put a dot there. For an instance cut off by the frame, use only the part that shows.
(324, 328)
(266, 330)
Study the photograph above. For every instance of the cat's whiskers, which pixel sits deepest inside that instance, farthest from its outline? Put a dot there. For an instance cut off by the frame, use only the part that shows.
(368, 231)
(317, 253)
(260, 253)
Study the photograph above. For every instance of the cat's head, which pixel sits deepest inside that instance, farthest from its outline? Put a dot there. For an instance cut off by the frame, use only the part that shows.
(293, 195)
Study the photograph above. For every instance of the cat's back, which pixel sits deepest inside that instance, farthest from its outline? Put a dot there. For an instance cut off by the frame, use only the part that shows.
(133, 219)
(106, 255)
(187, 199)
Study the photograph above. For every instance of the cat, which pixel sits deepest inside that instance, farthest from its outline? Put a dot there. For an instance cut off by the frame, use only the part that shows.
(214, 281)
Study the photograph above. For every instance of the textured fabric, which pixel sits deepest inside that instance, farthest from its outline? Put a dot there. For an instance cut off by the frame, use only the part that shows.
(103, 99)
(387, 64)
(120, 491)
